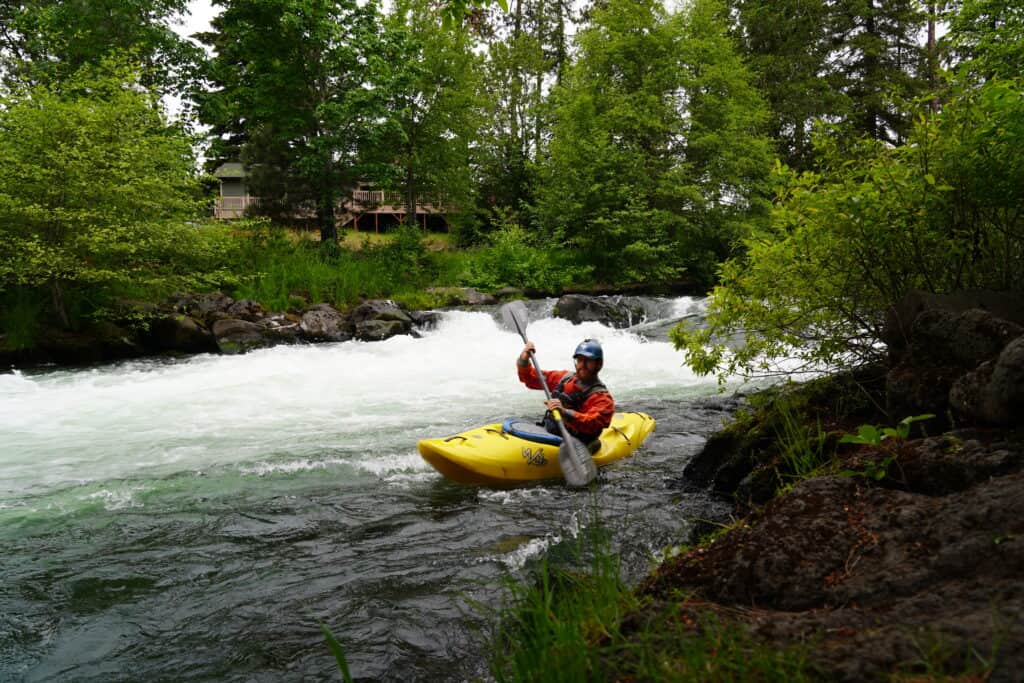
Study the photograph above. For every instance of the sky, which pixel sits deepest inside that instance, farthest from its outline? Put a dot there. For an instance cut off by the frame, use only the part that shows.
(198, 19)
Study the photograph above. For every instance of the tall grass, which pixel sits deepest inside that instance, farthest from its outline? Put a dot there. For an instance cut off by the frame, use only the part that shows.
(565, 624)
(285, 271)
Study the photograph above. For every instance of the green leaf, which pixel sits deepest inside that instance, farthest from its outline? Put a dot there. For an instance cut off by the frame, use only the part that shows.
(338, 651)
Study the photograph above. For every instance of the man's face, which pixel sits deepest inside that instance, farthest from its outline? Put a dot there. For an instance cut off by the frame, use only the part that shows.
(587, 368)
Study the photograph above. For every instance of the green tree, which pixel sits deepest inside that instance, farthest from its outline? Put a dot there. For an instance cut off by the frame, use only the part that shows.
(46, 41)
(430, 80)
(527, 55)
(879, 64)
(656, 159)
(95, 188)
(292, 97)
(788, 50)
(941, 213)
(987, 37)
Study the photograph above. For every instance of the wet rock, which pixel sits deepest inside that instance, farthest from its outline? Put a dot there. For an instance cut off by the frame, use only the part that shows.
(578, 308)
(284, 327)
(379, 319)
(323, 322)
(379, 309)
(425, 320)
(379, 330)
(178, 332)
(240, 336)
(101, 342)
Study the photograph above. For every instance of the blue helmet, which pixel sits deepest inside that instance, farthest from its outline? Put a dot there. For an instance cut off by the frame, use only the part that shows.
(589, 348)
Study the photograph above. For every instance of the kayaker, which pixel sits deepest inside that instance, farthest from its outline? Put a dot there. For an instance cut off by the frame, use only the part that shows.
(582, 399)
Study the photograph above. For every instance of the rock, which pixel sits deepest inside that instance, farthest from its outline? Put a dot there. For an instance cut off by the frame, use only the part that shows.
(246, 309)
(721, 447)
(578, 308)
(994, 393)
(284, 327)
(379, 319)
(202, 306)
(178, 332)
(379, 309)
(325, 323)
(425, 320)
(239, 336)
(912, 390)
(509, 293)
(379, 330)
(101, 342)
(900, 317)
(959, 339)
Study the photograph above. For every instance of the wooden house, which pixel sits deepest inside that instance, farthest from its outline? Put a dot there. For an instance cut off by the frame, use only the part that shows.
(365, 207)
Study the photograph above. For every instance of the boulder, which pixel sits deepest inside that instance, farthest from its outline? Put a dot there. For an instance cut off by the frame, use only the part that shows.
(204, 306)
(323, 322)
(100, 342)
(379, 330)
(900, 317)
(962, 339)
(379, 309)
(246, 309)
(178, 332)
(239, 336)
(425, 320)
(578, 308)
(379, 319)
(994, 392)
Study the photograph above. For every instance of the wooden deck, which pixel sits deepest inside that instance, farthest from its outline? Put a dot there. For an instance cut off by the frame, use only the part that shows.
(355, 210)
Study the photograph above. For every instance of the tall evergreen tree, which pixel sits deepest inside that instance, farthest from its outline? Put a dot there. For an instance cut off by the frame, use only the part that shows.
(430, 81)
(292, 97)
(656, 158)
(527, 55)
(879, 63)
(788, 50)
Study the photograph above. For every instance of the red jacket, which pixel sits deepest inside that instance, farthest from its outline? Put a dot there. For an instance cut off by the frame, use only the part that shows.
(588, 419)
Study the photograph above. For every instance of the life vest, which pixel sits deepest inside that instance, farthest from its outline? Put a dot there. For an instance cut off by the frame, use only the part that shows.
(572, 400)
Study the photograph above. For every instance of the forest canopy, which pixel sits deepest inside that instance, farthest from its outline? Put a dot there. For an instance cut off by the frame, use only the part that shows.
(812, 161)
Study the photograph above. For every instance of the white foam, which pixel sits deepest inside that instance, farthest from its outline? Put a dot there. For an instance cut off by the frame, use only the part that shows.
(294, 404)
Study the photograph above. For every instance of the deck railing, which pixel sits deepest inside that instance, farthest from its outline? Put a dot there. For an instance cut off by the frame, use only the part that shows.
(361, 200)
(233, 207)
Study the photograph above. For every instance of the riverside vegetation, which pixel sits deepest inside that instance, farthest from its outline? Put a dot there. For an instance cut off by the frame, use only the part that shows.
(642, 152)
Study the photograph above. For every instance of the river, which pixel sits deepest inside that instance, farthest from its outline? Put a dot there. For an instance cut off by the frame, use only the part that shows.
(197, 519)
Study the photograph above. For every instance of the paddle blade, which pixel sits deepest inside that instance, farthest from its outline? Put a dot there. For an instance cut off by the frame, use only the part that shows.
(515, 317)
(578, 466)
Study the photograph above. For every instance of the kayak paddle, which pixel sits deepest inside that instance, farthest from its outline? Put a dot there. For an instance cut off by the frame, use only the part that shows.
(578, 466)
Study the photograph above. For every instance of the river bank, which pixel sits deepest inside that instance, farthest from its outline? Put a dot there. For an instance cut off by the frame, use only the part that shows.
(862, 544)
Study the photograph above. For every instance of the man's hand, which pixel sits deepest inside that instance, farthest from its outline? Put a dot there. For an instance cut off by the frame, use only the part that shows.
(556, 404)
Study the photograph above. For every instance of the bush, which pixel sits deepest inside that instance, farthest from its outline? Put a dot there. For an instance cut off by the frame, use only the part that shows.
(943, 212)
(511, 259)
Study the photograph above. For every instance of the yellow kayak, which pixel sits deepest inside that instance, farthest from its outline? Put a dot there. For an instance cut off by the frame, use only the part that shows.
(514, 451)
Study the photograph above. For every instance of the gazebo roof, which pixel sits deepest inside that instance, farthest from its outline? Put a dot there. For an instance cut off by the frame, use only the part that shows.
(230, 169)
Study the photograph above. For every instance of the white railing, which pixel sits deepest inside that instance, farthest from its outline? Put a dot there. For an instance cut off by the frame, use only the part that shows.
(233, 207)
